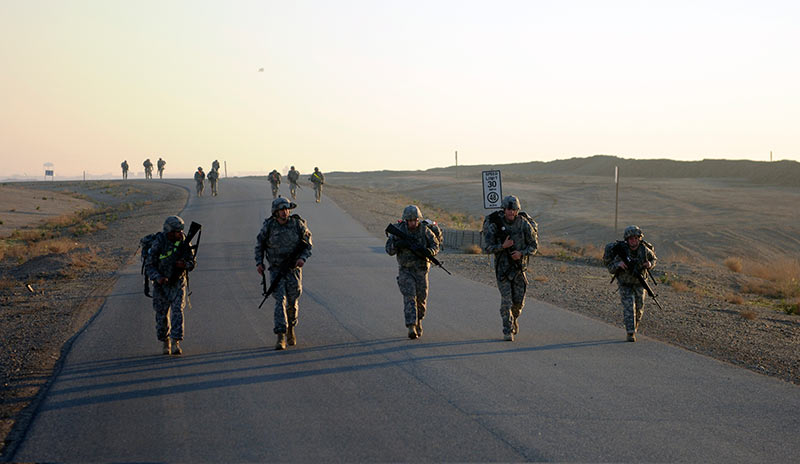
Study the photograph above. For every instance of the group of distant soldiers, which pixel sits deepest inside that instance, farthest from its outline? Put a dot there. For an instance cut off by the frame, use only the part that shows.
(283, 245)
(316, 178)
(148, 168)
(212, 176)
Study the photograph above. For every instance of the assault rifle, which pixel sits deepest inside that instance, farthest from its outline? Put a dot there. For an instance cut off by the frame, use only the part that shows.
(621, 249)
(408, 241)
(186, 249)
(287, 265)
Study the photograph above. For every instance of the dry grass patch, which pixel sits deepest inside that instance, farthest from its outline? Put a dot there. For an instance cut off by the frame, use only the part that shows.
(472, 249)
(541, 278)
(734, 298)
(748, 314)
(734, 264)
(679, 286)
(563, 268)
(89, 259)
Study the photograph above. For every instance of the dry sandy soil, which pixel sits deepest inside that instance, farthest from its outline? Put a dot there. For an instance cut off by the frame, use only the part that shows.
(695, 224)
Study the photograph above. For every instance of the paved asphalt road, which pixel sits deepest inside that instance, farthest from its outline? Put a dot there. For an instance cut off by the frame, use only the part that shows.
(356, 389)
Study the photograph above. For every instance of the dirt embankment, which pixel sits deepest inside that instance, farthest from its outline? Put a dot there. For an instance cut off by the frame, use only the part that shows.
(57, 267)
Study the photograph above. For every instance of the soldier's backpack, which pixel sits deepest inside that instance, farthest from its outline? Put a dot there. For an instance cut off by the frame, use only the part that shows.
(497, 218)
(437, 231)
(145, 243)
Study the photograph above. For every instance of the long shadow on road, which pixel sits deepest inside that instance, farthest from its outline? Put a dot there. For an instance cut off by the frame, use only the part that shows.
(174, 383)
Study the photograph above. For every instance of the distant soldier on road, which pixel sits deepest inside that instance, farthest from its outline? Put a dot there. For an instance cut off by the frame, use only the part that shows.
(160, 164)
(124, 167)
(317, 179)
(641, 257)
(412, 276)
(293, 176)
(148, 169)
(167, 266)
(215, 166)
(285, 241)
(199, 177)
(213, 177)
(274, 178)
(512, 237)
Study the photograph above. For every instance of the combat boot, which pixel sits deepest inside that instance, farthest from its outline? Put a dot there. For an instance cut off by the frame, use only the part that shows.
(166, 348)
(290, 337)
(281, 344)
(419, 328)
(176, 347)
(631, 337)
(509, 337)
(412, 331)
(515, 326)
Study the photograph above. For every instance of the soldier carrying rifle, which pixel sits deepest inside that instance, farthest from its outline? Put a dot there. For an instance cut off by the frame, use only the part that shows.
(169, 258)
(630, 261)
(285, 241)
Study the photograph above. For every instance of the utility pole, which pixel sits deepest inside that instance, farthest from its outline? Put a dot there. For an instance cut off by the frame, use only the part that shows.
(226, 168)
(616, 202)
(456, 164)
(770, 156)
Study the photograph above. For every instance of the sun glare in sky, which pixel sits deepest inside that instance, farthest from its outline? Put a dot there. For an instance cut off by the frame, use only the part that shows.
(369, 84)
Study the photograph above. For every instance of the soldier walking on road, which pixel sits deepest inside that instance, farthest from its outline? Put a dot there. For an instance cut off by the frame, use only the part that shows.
(148, 169)
(317, 179)
(641, 257)
(215, 166)
(285, 241)
(274, 178)
(199, 177)
(160, 164)
(293, 176)
(412, 276)
(512, 237)
(213, 177)
(124, 167)
(168, 266)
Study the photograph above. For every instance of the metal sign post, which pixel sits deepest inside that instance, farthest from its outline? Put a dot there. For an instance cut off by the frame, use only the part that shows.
(492, 189)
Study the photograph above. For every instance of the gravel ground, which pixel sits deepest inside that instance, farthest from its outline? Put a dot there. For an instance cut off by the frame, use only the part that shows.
(697, 317)
(69, 288)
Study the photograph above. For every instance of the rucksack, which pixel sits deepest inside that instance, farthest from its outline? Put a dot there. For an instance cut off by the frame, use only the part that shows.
(145, 243)
(437, 231)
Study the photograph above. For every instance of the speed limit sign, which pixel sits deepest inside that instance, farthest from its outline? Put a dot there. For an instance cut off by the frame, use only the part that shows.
(492, 189)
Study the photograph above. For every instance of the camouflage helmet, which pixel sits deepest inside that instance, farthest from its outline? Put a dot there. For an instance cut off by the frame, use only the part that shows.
(412, 212)
(511, 202)
(173, 223)
(282, 203)
(632, 231)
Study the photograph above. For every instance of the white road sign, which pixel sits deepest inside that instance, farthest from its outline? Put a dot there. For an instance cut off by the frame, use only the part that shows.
(492, 189)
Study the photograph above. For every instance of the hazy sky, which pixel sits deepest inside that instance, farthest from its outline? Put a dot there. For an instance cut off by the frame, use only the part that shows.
(370, 84)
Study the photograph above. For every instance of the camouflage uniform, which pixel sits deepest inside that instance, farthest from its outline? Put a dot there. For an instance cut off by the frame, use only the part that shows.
(511, 278)
(124, 167)
(277, 241)
(213, 176)
(317, 178)
(148, 169)
(293, 176)
(199, 177)
(161, 163)
(275, 181)
(412, 276)
(215, 166)
(631, 291)
(168, 298)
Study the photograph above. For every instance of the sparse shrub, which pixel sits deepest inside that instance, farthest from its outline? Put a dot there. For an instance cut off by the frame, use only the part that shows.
(679, 286)
(541, 278)
(37, 208)
(790, 307)
(472, 249)
(563, 268)
(563, 255)
(734, 264)
(748, 314)
(734, 298)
